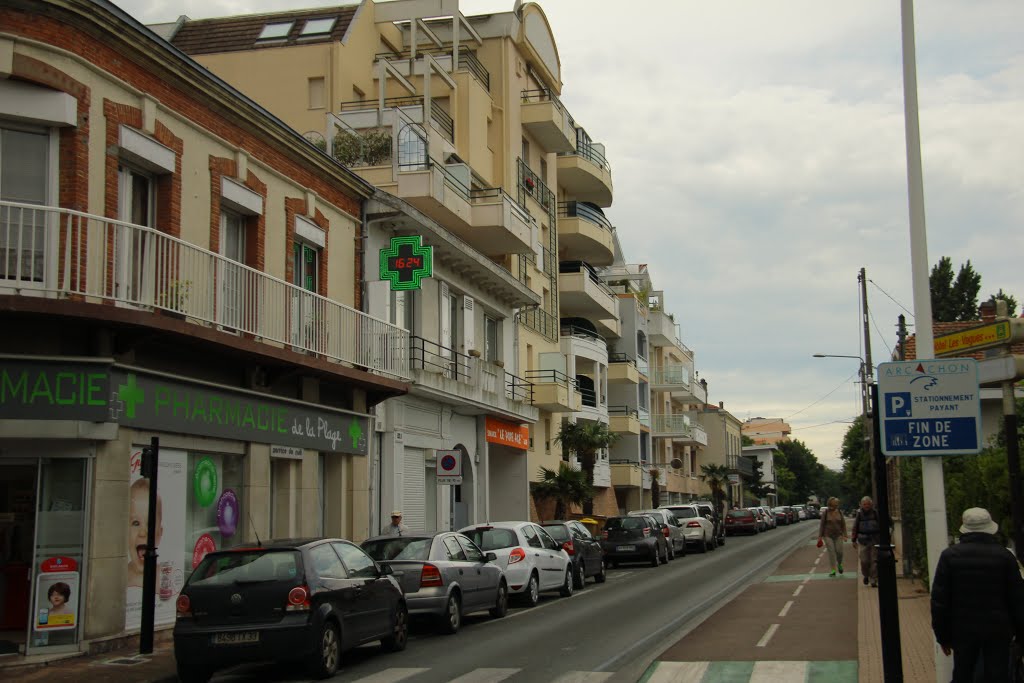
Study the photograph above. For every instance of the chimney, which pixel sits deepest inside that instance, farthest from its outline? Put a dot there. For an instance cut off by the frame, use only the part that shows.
(988, 311)
(721, 405)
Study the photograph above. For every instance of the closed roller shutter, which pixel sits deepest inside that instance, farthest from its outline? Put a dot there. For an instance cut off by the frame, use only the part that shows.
(413, 490)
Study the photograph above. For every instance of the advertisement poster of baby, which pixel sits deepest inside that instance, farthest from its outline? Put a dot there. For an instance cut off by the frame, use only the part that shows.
(170, 535)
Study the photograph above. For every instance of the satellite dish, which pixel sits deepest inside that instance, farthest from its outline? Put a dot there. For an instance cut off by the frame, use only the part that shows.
(676, 463)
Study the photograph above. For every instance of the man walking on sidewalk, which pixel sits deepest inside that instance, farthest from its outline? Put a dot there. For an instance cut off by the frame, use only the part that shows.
(978, 601)
(865, 536)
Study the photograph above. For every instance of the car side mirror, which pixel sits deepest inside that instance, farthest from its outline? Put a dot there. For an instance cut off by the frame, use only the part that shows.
(491, 557)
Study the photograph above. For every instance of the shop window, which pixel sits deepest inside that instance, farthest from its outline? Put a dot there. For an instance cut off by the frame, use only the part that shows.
(213, 504)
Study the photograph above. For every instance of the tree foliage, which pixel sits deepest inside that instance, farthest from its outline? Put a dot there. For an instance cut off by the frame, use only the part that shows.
(954, 299)
(715, 476)
(757, 486)
(856, 474)
(566, 486)
(808, 473)
(585, 440)
(1011, 302)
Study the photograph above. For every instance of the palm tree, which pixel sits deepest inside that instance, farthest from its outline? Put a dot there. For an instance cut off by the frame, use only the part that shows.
(567, 487)
(715, 477)
(584, 440)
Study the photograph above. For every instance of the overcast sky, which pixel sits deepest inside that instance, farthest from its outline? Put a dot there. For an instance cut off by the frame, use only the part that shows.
(758, 156)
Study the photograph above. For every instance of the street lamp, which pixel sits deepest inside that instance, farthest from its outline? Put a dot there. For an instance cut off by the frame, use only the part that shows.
(866, 380)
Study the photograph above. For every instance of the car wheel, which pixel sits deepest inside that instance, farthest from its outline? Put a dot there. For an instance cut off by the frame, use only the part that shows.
(579, 575)
(615, 564)
(190, 673)
(532, 594)
(671, 551)
(399, 637)
(664, 557)
(655, 557)
(602, 575)
(714, 543)
(500, 608)
(721, 539)
(328, 652)
(451, 620)
(568, 584)
(703, 544)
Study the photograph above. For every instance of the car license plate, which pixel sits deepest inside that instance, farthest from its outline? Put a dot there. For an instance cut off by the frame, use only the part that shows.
(626, 548)
(236, 638)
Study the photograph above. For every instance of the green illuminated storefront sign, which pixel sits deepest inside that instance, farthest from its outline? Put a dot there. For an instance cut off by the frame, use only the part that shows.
(102, 393)
(406, 262)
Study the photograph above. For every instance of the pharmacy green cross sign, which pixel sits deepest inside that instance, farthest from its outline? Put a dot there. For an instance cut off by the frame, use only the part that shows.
(406, 262)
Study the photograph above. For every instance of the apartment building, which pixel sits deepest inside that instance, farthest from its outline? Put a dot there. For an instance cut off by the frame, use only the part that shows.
(460, 118)
(725, 448)
(767, 430)
(179, 266)
(766, 456)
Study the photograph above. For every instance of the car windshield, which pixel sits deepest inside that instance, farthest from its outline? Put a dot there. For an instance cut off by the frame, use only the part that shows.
(401, 548)
(559, 532)
(492, 539)
(255, 565)
(740, 513)
(625, 523)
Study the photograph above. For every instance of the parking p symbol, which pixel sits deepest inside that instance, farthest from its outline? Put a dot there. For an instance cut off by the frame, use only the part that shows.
(897, 404)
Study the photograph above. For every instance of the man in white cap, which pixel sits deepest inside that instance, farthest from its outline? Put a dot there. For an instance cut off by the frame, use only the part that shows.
(978, 601)
(396, 528)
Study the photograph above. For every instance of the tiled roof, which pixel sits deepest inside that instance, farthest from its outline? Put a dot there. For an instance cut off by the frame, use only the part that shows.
(232, 34)
(941, 329)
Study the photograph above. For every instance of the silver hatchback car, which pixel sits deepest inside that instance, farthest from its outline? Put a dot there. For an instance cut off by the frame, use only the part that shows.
(443, 575)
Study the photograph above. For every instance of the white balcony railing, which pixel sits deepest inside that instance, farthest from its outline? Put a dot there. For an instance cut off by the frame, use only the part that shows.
(66, 252)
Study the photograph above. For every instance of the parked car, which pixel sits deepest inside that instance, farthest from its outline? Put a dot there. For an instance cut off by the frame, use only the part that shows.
(670, 529)
(762, 523)
(741, 521)
(782, 515)
(698, 529)
(584, 550)
(532, 561)
(307, 600)
(769, 516)
(801, 512)
(633, 539)
(813, 511)
(444, 575)
(708, 508)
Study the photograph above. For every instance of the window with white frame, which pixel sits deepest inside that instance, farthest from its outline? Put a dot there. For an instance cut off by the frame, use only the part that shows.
(492, 333)
(26, 178)
(230, 294)
(132, 245)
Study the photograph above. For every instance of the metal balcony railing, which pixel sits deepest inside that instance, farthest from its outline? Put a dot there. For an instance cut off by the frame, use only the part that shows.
(740, 464)
(67, 252)
(580, 333)
(550, 377)
(441, 120)
(431, 356)
(671, 424)
(467, 60)
(623, 411)
(585, 148)
(584, 267)
(586, 211)
(518, 389)
(530, 184)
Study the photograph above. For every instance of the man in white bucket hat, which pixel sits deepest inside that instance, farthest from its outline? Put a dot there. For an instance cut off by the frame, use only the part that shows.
(978, 601)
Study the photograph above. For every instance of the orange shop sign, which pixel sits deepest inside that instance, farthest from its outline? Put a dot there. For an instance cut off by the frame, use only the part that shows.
(507, 434)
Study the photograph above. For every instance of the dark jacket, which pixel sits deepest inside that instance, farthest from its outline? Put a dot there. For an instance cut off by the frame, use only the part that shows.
(866, 527)
(977, 592)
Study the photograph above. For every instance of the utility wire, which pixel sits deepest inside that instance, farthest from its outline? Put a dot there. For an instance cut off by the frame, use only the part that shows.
(844, 383)
(890, 297)
(824, 424)
(880, 334)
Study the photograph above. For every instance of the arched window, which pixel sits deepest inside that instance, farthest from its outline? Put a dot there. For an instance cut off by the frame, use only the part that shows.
(412, 147)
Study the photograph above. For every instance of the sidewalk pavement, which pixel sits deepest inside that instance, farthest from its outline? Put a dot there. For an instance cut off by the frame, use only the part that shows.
(916, 639)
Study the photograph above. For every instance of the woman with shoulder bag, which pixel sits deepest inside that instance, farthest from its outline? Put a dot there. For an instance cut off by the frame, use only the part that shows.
(832, 533)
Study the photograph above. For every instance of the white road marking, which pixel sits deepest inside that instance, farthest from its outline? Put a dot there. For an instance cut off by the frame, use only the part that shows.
(812, 570)
(584, 677)
(391, 675)
(806, 580)
(486, 676)
(779, 672)
(785, 610)
(678, 672)
(817, 560)
(618, 575)
(798, 589)
(768, 635)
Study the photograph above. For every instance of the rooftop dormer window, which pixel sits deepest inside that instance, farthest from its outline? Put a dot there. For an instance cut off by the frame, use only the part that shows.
(318, 27)
(277, 31)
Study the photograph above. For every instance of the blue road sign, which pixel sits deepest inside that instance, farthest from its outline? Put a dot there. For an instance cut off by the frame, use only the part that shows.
(929, 407)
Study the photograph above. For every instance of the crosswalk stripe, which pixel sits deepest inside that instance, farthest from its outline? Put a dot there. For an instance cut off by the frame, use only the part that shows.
(391, 675)
(584, 677)
(678, 672)
(779, 672)
(485, 676)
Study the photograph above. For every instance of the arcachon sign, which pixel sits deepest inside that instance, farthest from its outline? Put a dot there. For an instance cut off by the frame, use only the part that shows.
(37, 390)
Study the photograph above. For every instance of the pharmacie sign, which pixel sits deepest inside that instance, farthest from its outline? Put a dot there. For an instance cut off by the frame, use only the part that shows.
(87, 392)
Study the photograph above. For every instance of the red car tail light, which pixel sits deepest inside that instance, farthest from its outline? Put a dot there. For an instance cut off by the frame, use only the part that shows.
(569, 547)
(298, 599)
(604, 535)
(184, 606)
(517, 555)
(647, 531)
(693, 525)
(430, 577)
(666, 532)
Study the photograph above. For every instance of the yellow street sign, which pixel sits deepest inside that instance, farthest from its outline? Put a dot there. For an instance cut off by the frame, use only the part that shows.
(976, 339)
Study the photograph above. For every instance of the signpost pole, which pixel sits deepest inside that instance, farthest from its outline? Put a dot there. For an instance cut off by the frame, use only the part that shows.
(1013, 466)
(150, 470)
(451, 507)
(888, 602)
